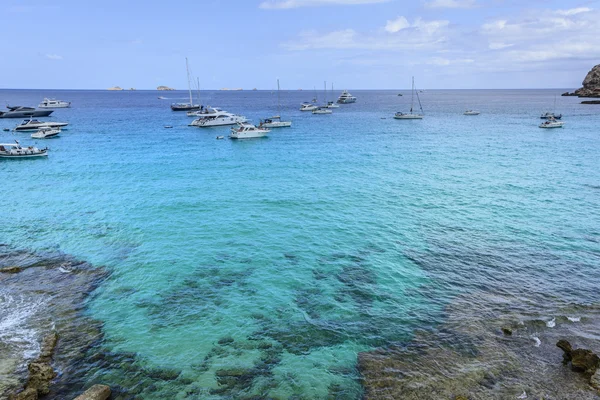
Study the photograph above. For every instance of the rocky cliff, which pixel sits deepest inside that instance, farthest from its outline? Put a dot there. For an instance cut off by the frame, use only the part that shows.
(591, 85)
(164, 88)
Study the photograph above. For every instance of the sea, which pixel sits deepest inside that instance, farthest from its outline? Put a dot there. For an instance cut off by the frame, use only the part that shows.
(266, 268)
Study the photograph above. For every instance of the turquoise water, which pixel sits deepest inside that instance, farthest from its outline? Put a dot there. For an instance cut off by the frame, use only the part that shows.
(344, 233)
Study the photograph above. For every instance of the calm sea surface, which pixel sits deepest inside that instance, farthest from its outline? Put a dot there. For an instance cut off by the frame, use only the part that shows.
(287, 256)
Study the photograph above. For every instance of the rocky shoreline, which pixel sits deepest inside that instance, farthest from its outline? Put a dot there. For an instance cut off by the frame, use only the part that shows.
(591, 86)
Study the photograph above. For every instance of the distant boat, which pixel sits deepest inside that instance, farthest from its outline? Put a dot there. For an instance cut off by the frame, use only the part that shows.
(411, 115)
(399, 94)
(15, 150)
(275, 121)
(307, 107)
(53, 103)
(186, 106)
(552, 123)
(324, 109)
(346, 98)
(220, 118)
(550, 115)
(331, 104)
(471, 112)
(162, 98)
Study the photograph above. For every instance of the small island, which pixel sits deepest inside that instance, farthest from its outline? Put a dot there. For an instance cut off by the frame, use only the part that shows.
(164, 88)
(115, 88)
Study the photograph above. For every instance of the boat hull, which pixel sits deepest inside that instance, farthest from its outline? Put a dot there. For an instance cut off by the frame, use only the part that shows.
(37, 127)
(184, 108)
(42, 153)
(282, 124)
(551, 126)
(408, 116)
(254, 135)
(26, 114)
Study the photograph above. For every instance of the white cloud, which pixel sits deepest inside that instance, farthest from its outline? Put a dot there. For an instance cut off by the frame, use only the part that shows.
(574, 11)
(53, 57)
(397, 24)
(451, 4)
(286, 4)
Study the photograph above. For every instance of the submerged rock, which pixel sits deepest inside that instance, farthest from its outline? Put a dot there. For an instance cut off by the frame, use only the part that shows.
(507, 331)
(11, 270)
(96, 392)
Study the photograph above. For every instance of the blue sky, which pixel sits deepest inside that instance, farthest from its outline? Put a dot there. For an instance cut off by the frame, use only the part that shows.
(359, 44)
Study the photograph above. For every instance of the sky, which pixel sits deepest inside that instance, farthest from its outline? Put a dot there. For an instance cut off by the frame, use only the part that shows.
(356, 44)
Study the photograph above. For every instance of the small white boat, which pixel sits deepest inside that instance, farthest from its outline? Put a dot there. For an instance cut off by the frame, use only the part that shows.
(53, 103)
(46, 133)
(411, 114)
(220, 118)
(346, 98)
(34, 125)
(247, 131)
(15, 150)
(471, 112)
(552, 123)
(274, 122)
(549, 115)
(331, 104)
(322, 110)
(307, 107)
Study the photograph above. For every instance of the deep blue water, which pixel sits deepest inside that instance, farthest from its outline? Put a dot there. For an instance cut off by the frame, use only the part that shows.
(341, 234)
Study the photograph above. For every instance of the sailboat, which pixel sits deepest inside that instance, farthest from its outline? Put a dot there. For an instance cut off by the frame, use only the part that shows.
(275, 121)
(411, 115)
(323, 109)
(551, 115)
(186, 106)
(331, 104)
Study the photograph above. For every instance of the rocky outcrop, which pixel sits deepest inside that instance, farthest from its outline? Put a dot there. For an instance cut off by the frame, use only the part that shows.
(582, 360)
(164, 88)
(96, 392)
(591, 85)
(115, 88)
(41, 372)
(591, 102)
(10, 270)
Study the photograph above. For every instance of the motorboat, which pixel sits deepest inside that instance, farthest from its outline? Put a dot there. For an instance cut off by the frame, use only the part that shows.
(411, 114)
(53, 103)
(274, 122)
(331, 104)
(307, 107)
(24, 112)
(550, 115)
(15, 150)
(552, 123)
(346, 98)
(471, 112)
(34, 125)
(322, 110)
(247, 131)
(219, 118)
(46, 133)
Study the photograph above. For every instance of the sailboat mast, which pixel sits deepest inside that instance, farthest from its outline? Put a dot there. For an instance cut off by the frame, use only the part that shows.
(187, 68)
(198, 83)
(278, 100)
(412, 94)
(325, 91)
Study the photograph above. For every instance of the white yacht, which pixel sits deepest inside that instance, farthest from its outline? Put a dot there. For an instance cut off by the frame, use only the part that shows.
(46, 133)
(322, 110)
(549, 115)
(15, 150)
(471, 112)
(552, 123)
(411, 114)
(346, 98)
(331, 104)
(219, 118)
(53, 103)
(34, 125)
(274, 122)
(307, 107)
(247, 131)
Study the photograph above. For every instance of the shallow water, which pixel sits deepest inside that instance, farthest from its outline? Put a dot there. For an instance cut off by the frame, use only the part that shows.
(342, 234)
